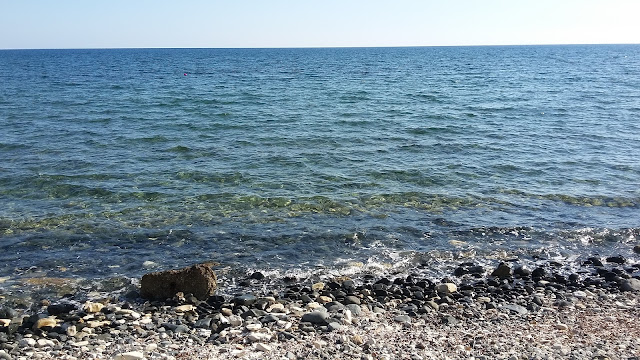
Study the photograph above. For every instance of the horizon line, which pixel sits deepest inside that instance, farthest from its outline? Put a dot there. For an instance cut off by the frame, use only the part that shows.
(316, 47)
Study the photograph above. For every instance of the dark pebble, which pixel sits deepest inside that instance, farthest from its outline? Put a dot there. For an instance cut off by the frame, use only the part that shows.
(268, 319)
(594, 261)
(287, 336)
(245, 300)
(616, 259)
(522, 271)
(538, 273)
(203, 323)
(7, 312)
(254, 313)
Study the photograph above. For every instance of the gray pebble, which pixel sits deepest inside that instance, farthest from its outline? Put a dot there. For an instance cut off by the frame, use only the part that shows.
(335, 326)
(355, 309)
(316, 317)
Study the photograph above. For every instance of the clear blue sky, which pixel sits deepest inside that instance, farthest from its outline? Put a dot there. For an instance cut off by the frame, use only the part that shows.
(307, 23)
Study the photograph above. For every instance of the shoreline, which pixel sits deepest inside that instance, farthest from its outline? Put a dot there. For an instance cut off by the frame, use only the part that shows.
(510, 312)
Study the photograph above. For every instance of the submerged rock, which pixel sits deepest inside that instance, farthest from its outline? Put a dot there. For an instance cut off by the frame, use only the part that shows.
(199, 280)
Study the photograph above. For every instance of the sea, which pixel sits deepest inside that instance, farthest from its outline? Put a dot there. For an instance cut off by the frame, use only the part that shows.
(118, 162)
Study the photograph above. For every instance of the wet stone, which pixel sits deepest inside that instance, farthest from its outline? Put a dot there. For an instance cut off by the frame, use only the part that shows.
(522, 271)
(616, 259)
(503, 271)
(7, 312)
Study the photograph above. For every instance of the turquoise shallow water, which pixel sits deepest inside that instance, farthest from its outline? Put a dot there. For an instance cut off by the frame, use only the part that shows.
(294, 158)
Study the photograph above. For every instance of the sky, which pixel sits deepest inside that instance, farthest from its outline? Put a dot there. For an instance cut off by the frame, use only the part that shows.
(49, 24)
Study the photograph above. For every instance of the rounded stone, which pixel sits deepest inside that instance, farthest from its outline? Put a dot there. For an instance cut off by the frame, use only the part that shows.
(402, 319)
(352, 300)
(446, 288)
(316, 317)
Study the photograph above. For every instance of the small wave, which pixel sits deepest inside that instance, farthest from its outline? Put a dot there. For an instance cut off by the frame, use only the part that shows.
(180, 149)
(150, 139)
(11, 146)
(432, 130)
(214, 102)
(427, 97)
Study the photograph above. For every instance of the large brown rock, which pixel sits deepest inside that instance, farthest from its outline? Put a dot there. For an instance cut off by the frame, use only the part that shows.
(199, 280)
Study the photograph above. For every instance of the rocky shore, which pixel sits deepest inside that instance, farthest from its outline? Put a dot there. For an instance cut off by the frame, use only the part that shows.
(508, 311)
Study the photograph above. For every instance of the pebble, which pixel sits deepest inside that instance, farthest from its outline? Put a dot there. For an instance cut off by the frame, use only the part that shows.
(357, 339)
(133, 355)
(319, 344)
(446, 288)
(263, 347)
(184, 308)
(319, 286)
(45, 343)
(258, 337)
(561, 326)
(519, 309)
(316, 317)
(45, 322)
(27, 342)
(580, 294)
(92, 307)
(402, 319)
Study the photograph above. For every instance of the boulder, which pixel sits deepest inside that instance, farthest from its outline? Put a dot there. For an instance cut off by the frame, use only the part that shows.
(199, 280)
(503, 271)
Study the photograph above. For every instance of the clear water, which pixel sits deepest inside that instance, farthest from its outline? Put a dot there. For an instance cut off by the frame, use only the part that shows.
(294, 158)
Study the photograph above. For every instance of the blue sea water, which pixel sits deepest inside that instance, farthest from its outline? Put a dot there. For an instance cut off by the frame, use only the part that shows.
(113, 162)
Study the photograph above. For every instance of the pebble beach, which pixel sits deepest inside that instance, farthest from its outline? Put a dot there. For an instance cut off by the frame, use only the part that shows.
(509, 311)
